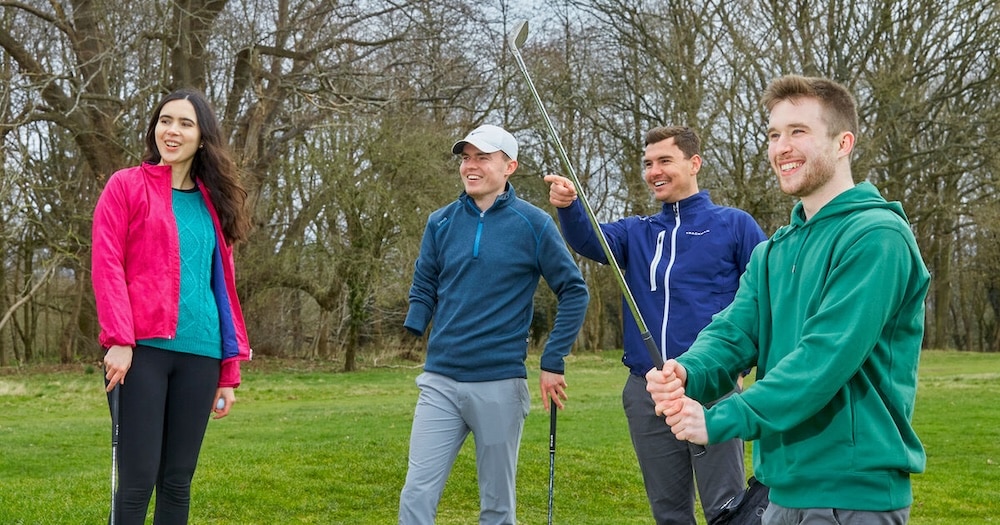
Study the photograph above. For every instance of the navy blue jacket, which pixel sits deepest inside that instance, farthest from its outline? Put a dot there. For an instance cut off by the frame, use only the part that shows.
(682, 266)
(476, 276)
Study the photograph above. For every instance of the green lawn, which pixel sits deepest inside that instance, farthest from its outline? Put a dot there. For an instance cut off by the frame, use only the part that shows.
(306, 444)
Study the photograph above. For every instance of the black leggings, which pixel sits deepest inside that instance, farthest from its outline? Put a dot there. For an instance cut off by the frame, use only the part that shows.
(164, 408)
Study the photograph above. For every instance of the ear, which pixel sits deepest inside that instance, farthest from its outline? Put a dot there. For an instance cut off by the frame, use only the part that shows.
(695, 164)
(846, 145)
(511, 166)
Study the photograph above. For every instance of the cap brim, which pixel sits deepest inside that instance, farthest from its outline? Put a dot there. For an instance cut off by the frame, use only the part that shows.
(485, 148)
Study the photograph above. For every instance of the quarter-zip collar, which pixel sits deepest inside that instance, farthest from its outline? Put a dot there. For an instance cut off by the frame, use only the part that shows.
(502, 200)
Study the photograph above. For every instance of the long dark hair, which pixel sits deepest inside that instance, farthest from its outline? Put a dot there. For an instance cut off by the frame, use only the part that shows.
(212, 166)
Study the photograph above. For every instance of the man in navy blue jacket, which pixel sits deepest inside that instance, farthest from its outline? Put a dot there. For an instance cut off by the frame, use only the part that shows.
(479, 265)
(682, 265)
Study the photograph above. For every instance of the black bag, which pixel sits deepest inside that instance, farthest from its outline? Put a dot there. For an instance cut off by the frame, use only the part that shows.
(745, 508)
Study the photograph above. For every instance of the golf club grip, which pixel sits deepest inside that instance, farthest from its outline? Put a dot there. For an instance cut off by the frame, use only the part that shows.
(654, 352)
(114, 400)
(552, 426)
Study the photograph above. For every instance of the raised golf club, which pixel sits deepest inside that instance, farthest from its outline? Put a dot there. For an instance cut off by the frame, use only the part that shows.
(515, 40)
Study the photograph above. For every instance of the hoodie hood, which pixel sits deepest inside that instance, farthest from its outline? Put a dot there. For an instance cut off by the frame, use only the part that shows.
(863, 196)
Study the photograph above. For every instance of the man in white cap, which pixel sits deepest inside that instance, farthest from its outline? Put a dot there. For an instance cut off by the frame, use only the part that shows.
(480, 261)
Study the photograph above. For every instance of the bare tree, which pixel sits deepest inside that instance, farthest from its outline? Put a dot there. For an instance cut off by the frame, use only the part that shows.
(365, 116)
(341, 116)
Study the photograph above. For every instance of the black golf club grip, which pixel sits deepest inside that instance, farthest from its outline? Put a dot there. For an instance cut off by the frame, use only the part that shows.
(552, 425)
(114, 400)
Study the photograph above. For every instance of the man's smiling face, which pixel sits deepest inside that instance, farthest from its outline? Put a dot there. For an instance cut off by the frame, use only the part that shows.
(668, 173)
(801, 151)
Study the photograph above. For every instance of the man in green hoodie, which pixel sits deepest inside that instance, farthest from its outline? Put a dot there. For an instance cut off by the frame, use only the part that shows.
(831, 312)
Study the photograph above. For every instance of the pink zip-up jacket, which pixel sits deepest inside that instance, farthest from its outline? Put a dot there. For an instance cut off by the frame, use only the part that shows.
(136, 267)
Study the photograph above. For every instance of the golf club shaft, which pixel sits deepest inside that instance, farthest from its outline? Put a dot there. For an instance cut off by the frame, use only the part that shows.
(552, 454)
(647, 338)
(515, 39)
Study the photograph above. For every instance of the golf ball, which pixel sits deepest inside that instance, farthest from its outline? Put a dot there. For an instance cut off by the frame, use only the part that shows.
(221, 404)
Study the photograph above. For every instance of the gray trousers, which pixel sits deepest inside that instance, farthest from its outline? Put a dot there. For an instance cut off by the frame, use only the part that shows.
(669, 467)
(778, 515)
(447, 411)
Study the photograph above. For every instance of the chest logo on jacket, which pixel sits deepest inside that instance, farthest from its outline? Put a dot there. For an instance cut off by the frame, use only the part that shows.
(698, 234)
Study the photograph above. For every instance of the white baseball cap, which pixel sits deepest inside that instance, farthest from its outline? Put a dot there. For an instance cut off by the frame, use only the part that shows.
(488, 139)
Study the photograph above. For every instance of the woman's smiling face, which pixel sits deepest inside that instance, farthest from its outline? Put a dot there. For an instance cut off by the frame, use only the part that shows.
(177, 133)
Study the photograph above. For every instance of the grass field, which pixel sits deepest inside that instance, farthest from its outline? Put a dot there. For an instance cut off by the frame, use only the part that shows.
(306, 444)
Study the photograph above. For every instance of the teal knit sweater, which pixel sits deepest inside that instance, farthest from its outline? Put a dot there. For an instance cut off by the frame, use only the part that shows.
(198, 320)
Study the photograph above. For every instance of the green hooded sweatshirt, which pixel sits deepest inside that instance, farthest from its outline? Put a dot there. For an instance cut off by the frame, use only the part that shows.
(831, 311)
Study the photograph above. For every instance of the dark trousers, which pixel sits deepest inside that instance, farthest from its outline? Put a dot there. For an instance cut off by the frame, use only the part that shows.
(670, 468)
(164, 407)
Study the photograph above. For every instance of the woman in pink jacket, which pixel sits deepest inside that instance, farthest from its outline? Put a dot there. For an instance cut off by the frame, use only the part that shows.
(170, 319)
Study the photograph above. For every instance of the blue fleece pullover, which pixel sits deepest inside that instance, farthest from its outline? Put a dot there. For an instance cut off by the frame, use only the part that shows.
(476, 276)
(682, 266)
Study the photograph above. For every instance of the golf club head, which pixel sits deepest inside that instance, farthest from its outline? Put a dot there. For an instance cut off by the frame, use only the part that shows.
(518, 35)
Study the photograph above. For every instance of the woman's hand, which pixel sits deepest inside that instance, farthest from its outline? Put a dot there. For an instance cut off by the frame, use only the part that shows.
(227, 395)
(117, 361)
